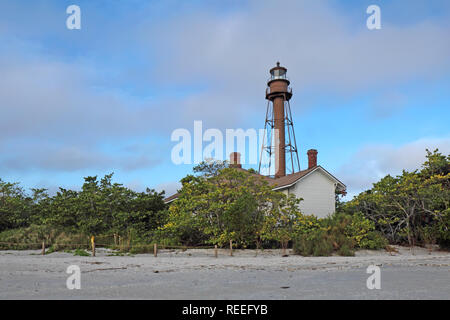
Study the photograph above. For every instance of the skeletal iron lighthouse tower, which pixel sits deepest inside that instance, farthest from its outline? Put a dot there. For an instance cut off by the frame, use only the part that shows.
(279, 147)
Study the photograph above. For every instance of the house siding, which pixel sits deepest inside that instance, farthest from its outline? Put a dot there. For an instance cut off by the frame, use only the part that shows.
(318, 193)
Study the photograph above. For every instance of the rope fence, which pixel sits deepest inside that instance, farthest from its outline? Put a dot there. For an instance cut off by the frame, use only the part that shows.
(121, 247)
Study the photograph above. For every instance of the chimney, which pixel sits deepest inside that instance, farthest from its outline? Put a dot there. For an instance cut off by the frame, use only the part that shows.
(235, 160)
(312, 158)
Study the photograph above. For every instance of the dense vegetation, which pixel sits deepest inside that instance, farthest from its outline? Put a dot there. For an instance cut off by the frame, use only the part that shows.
(412, 208)
(218, 204)
(100, 208)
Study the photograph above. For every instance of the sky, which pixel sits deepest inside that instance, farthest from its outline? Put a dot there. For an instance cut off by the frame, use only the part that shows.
(106, 98)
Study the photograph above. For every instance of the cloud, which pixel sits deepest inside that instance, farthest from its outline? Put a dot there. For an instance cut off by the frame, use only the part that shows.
(170, 187)
(372, 162)
(135, 185)
(54, 157)
(229, 55)
(317, 45)
(55, 100)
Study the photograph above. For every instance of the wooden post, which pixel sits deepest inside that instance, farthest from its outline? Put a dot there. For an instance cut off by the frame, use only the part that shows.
(155, 250)
(93, 245)
(215, 251)
(231, 247)
(43, 248)
(115, 239)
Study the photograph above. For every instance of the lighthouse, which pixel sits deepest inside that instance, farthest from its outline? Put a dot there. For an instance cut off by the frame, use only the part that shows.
(279, 137)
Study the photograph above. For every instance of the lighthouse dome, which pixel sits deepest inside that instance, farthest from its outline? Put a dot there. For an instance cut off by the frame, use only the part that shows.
(278, 72)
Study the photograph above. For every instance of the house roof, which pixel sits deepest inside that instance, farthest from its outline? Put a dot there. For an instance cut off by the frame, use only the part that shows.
(289, 180)
(282, 182)
(172, 197)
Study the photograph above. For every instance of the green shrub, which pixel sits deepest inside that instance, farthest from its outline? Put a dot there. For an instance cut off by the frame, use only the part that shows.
(30, 238)
(137, 249)
(24, 238)
(362, 232)
(306, 224)
(345, 251)
(373, 241)
(81, 253)
(64, 241)
(50, 250)
(316, 243)
(443, 230)
(329, 235)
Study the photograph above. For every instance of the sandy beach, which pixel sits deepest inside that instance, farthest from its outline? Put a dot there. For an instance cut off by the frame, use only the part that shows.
(197, 274)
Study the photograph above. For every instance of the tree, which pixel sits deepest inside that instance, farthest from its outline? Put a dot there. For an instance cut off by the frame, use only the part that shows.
(436, 164)
(283, 224)
(210, 167)
(14, 206)
(64, 211)
(225, 205)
